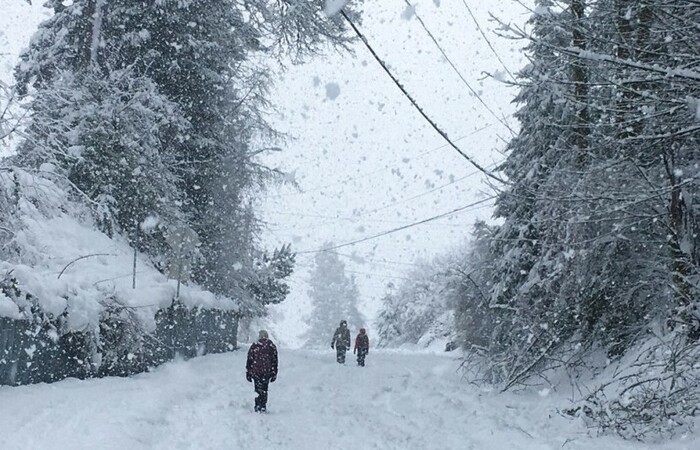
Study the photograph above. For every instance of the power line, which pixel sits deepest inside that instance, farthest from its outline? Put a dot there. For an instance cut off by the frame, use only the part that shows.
(456, 70)
(384, 276)
(386, 206)
(352, 177)
(347, 219)
(378, 275)
(394, 230)
(360, 259)
(439, 188)
(415, 104)
(476, 22)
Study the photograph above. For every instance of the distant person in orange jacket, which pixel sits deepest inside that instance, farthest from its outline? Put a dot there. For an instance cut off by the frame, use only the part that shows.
(361, 347)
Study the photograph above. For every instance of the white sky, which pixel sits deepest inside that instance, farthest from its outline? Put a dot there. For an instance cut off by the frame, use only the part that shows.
(363, 158)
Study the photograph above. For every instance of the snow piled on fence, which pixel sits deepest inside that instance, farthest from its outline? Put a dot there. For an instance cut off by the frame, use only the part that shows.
(59, 257)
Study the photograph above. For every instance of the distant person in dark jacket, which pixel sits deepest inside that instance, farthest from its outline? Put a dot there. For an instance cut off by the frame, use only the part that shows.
(261, 368)
(341, 341)
(361, 347)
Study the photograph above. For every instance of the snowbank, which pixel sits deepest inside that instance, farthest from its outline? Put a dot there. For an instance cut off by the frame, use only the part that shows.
(398, 402)
(58, 256)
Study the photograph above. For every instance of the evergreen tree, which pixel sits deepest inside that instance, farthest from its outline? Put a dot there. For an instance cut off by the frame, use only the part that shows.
(202, 59)
(103, 135)
(527, 259)
(152, 114)
(599, 238)
(334, 296)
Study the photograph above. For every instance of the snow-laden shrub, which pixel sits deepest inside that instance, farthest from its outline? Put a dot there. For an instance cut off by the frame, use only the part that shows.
(654, 391)
(57, 256)
(68, 306)
(421, 310)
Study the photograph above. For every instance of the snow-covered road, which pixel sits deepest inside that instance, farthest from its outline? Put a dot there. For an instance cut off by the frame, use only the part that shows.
(399, 401)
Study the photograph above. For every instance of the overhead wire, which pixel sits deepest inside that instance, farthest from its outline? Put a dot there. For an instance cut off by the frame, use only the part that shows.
(405, 227)
(355, 259)
(385, 276)
(488, 42)
(378, 275)
(382, 169)
(456, 70)
(416, 105)
(434, 126)
(431, 191)
(383, 207)
(432, 123)
(347, 219)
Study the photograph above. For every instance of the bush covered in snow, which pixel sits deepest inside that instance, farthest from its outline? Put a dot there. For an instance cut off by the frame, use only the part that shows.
(138, 159)
(67, 302)
(422, 309)
(653, 391)
(596, 250)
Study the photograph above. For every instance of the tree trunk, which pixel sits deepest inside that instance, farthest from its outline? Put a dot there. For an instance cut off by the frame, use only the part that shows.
(682, 230)
(87, 30)
(579, 77)
(98, 6)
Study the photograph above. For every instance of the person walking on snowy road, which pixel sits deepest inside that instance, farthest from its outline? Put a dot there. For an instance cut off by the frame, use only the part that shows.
(341, 341)
(261, 368)
(361, 347)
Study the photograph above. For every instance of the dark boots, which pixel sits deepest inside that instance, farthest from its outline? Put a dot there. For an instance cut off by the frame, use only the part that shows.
(262, 383)
(340, 354)
(361, 357)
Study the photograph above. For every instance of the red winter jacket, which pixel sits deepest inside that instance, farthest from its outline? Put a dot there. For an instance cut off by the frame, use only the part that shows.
(362, 342)
(262, 358)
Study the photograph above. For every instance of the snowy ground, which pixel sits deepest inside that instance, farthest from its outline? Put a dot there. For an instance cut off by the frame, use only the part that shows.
(399, 401)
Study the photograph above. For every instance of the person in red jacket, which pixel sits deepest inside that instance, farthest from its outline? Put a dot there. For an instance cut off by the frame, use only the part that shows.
(261, 368)
(361, 347)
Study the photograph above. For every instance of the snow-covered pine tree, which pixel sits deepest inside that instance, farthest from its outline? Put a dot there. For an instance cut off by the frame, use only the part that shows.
(103, 135)
(658, 133)
(334, 296)
(475, 322)
(105, 129)
(612, 238)
(154, 110)
(647, 199)
(198, 56)
(269, 284)
(599, 240)
(527, 257)
(559, 267)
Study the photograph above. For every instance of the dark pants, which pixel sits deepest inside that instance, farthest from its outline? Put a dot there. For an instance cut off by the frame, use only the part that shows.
(340, 354)
(261, 384)
(361, 353)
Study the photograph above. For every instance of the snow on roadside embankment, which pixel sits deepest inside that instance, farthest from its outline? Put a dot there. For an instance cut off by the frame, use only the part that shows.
(54, 251)
(399, 401)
